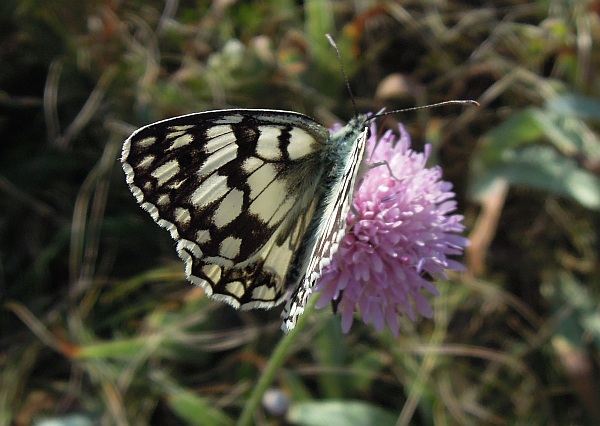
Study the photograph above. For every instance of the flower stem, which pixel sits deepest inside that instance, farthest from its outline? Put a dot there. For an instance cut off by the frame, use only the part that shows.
(275, 362)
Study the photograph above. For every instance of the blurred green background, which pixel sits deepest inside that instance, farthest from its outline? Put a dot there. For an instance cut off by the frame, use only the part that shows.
(97, 323)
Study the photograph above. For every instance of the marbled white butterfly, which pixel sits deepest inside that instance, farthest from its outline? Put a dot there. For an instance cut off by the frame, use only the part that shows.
(256, 199)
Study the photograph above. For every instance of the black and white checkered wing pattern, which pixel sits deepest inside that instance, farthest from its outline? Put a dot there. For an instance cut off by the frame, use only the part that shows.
(237, 190)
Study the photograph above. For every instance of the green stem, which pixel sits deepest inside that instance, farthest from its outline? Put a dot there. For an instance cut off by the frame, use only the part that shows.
(275, 362)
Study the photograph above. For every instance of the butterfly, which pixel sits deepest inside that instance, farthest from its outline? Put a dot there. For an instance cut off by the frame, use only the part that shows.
(255, 199)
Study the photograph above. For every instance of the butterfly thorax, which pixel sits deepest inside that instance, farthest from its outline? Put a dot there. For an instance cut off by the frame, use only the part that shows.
(343, 142)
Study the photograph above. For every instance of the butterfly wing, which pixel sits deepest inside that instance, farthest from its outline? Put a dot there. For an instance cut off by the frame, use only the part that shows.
(345, 152)
(236, 190)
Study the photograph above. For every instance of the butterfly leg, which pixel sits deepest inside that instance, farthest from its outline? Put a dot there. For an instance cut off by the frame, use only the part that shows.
(383, 163)
(355, 219)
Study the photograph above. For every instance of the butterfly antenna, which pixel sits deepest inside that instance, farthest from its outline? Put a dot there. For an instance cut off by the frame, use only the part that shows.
(339, 57)
(439, 104)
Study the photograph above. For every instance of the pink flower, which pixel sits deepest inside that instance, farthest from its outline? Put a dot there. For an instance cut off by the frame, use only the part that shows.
(399, 241)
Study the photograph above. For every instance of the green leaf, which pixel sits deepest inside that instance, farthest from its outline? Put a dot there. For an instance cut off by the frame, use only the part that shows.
(521, 128)
(189, 406)
(541, 167)
(575, 105)
(196, 410)
(339, 413)
(124, 349)
(582, 325)
(513, 152)
(532, 125)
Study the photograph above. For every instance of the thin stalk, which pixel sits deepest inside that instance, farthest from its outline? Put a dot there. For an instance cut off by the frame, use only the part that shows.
(275, 362)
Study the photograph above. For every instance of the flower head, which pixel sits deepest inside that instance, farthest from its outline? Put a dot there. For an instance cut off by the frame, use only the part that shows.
(400, 239)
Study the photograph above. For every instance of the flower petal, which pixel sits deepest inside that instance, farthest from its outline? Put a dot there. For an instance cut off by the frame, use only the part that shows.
(404, 232)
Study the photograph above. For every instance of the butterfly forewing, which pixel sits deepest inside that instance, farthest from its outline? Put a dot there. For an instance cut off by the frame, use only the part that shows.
(236, 189)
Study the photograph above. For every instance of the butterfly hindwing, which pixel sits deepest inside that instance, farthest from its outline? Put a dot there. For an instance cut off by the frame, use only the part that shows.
(236, 189)
(347, 148)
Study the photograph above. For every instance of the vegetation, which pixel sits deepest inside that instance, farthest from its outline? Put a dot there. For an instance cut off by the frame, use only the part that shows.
(97, 322)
